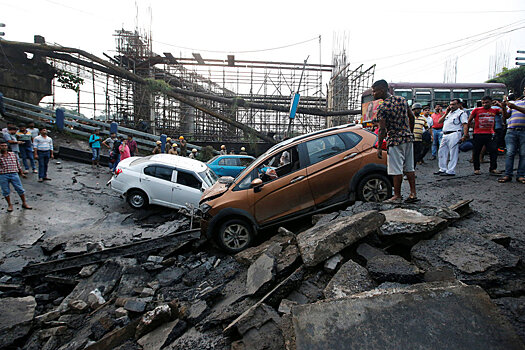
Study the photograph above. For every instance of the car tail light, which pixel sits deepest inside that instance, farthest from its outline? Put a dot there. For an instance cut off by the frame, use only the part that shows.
(118, 171)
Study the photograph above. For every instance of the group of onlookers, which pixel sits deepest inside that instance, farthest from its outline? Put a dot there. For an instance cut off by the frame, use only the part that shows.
(119, 148)
(411, 132)
(20, 146)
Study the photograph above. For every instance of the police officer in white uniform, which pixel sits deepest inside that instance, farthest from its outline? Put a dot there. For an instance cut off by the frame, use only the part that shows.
(454, 123)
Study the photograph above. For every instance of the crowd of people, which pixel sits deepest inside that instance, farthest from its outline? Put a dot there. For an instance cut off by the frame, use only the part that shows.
(21, 147)
(411, 132)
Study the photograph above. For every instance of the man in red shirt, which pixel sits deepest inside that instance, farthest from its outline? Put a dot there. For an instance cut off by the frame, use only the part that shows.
(484, 120)
(437, 130)
(9, 170)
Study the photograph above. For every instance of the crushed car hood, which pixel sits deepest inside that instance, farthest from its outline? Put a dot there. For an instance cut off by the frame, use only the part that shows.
(214, 191)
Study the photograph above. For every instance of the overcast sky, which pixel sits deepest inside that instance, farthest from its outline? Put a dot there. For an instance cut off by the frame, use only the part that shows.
(408, 40)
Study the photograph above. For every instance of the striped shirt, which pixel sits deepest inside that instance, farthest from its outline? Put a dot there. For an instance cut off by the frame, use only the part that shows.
(420, 123)
(9, 164)
(516, 119)
(43, 144)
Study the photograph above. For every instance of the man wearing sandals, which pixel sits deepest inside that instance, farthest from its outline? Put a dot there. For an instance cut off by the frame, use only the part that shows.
(515, 138)
(9, 170)
(484, 122)
(396, 121)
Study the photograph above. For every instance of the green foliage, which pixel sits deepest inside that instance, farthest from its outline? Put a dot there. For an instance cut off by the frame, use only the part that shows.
(513, 78)
(155, 85)
(69, 80)
(205, 154)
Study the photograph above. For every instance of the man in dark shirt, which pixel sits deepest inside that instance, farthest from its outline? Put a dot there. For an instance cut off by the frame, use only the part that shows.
(396, 121)
(132, 144)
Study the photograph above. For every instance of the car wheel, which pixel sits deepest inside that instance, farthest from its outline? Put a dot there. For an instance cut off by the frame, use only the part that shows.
(235, 235)
(374, 188)
(137, 199)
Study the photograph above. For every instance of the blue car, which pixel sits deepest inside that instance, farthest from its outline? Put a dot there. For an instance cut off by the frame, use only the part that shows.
(229, 164)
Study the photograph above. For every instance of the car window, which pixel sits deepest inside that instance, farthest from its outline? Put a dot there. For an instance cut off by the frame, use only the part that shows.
(163, 173)
(212, 160)
(352, 139)
(188, 179)
(280, 164)
(229, 162)
(246, 161)
(209, 177)
(324, 148)
(159, 172)
(150, 170)
(246, 182)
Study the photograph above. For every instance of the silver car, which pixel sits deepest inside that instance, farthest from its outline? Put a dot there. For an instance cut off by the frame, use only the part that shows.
(163, 179)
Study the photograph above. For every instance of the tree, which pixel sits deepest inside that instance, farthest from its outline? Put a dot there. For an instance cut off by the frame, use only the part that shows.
(514, 78)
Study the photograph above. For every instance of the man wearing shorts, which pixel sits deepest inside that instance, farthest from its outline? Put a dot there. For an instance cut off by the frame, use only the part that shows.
(396, 122)
(9, 171)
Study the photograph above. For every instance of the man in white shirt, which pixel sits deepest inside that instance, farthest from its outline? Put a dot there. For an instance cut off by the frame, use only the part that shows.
(43, 148)
(454, 123)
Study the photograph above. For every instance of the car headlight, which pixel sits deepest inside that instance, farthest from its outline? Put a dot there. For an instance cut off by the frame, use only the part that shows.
(204, 208)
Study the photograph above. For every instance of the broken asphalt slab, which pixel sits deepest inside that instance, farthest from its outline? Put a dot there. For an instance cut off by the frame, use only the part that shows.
(471, 256)
(321, 242)
(350, 279)
(409, 226)
(16, 320)
(423, 316)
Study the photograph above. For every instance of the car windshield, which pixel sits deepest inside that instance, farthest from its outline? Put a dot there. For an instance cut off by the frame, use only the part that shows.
(141, 160)
(212, 160)
(209, 177)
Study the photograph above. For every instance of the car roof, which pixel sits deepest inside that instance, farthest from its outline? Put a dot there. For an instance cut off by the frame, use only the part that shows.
(178, 161)
(351, 126)
(233, 156)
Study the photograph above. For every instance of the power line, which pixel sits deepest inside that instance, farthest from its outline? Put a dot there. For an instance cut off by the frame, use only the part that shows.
(244, 51)
(455, 47)
(444, 44)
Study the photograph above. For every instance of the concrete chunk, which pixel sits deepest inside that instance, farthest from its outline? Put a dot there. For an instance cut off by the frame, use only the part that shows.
(260, 273)
(393, 268)
(472, 257)
(410, 225)
(430, 315)
(17, 315)
(160, 336)
(331, 264)
(321, 242)
(350, 279)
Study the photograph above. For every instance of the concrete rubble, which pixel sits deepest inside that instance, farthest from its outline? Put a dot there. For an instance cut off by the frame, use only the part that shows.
(370, 276)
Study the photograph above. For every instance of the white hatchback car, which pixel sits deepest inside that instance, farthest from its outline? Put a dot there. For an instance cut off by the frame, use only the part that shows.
(162, 179)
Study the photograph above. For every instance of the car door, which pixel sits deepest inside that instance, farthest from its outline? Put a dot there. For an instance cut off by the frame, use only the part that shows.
(229, 166)
(284, 194)
(332, 162)
(187, 189)
(157, 181)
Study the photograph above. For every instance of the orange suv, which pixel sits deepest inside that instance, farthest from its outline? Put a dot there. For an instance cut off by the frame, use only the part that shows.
(297, 177)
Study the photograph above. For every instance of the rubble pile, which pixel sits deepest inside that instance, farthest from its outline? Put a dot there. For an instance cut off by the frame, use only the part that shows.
(370, 276)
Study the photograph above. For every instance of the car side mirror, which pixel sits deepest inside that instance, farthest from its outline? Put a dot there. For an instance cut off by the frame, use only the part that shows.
(256, 184)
